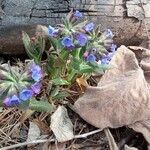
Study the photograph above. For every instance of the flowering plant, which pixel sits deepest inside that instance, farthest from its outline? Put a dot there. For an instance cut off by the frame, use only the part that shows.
(77, 49)
(20, 84)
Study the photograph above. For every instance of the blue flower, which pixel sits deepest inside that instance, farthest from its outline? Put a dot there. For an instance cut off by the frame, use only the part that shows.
(113, 48)
(91, 58)
(67, 42)
(78, 14)
(25, 94)
(106, 59)
(52, 31)
(36, 87)
(12, 101)
(108, 33)
(89, 27)
(37, 73)
(82, 39)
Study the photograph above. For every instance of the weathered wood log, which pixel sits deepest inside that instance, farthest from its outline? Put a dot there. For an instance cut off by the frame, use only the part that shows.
(129, 20)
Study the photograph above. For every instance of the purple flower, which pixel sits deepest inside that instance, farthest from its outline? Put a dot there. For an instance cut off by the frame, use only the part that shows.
(82, 39)
(106, 59)
(36, 87)
(13, 101)
(85, 55)
(108, 33)
(91, 58)
(113, 48)
(89, 27)
(67, 42)
(37, 73)
(52, 31)
(78, 14)
(25, 94)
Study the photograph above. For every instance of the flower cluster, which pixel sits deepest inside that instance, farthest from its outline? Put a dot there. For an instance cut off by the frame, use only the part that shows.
(77, 49)
(106, 57)
(76, 36)
(27, 85)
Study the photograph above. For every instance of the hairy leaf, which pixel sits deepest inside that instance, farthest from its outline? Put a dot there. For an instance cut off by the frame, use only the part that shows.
(41, 106)
(60, 81)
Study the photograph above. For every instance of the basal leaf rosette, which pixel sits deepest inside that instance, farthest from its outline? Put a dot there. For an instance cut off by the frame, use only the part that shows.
(19, 85)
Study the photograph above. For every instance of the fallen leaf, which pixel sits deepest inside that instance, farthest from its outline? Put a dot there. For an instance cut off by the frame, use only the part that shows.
(61, 125)
(34, 132)
(82, 83)
(142, 127)
(122, 96)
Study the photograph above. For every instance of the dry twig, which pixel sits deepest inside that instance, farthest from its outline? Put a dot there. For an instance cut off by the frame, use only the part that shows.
(85, 135)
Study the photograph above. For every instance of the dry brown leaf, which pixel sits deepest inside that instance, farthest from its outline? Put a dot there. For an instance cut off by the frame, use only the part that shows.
(122, 96)
(61, 125)
(142, 127)
(82, 83)
(143, 55)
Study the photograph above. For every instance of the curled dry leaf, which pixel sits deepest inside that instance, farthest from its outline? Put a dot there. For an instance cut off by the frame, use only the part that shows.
(82, 83)
(122, 96)
(61, 125)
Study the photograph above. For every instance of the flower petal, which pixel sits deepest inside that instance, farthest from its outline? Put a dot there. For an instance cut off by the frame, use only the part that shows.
(25, 94)
(89, 27)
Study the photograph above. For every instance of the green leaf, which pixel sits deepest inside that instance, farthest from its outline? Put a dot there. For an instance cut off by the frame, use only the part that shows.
(3, 95)
(80, 25)
(75, 64)
(34, 49)
(99, 68)
(55, 91)
(51, 69)
(60, 81)
(27, 45)
(85, 68)
(64, 54)
(53, 42)
(66, 23)
(41, 106)
(82, 51)
(61, 95)
(24, 105)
